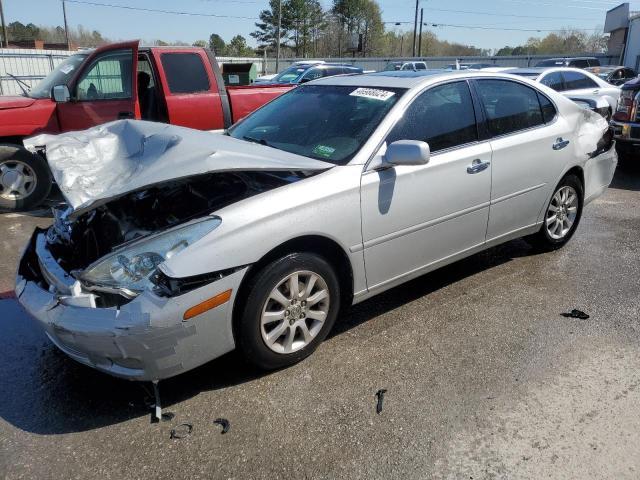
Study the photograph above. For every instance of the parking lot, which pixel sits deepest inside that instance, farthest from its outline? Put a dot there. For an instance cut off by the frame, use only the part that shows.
(484, 379)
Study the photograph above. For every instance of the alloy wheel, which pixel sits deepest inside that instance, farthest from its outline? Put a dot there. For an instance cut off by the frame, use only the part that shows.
(294, 312)
(17, 180)
(562, 212)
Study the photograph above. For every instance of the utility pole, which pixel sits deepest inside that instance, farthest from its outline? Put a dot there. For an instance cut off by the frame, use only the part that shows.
(420, 36)
(66, 27)
(4, 27)
(415, 29)
(278, 35)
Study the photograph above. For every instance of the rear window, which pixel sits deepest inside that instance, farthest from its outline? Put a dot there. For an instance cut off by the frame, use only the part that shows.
(553, 80)
(185, 72)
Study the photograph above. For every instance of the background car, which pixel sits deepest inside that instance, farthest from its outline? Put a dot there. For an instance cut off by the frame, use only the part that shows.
(614, 75)
(576, 62)
(575, 84)
(303, 73)
(626, 121)
(403, 65)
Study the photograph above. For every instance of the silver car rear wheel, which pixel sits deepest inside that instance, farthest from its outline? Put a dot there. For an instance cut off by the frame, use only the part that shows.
(562, 212)
(295, 312)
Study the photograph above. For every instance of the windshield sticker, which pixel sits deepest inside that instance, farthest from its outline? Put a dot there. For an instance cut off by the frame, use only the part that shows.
(66, 69)
(323, 151)
(372, 93)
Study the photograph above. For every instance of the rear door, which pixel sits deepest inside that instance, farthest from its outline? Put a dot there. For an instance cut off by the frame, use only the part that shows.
(103, 90)
(529, 152)
(190, 89)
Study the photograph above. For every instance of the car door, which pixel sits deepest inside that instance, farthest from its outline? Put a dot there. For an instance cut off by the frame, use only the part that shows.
(103, 90)
(414, 217)
(579, 85)
(529, 144)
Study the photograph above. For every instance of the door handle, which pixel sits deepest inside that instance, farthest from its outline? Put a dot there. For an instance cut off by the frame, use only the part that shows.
(596, 91)
(477, 166)
(560, 143)
(122, 115)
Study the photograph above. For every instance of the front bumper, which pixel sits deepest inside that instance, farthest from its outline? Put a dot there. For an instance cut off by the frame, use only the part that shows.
(626, 132)
(145, 339)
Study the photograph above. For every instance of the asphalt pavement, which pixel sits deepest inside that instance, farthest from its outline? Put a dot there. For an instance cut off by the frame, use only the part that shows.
(485, 379)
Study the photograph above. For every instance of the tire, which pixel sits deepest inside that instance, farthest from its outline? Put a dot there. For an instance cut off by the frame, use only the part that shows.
(265, 346)
(16, 165)
(558, 227)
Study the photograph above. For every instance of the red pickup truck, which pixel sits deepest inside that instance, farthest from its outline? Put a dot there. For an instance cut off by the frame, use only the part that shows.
(177, 85)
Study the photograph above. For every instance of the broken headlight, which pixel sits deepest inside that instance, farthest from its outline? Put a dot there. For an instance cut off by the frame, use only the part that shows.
(130, 267)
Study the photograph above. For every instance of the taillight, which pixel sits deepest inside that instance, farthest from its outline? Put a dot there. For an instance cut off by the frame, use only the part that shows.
(625, 106)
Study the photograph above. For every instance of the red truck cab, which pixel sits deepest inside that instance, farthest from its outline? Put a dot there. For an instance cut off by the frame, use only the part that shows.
(177, 85)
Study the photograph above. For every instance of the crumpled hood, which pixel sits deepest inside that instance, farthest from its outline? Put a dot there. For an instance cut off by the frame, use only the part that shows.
(15, 102)
(97, 165)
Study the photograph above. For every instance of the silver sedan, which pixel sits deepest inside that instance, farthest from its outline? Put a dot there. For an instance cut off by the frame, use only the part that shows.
(178, 246)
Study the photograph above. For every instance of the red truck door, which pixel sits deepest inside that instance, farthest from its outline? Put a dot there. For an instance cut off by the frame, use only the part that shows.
(190, 88)
(103, 90)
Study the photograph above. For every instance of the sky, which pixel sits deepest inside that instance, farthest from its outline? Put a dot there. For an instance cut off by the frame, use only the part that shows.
(486, 24)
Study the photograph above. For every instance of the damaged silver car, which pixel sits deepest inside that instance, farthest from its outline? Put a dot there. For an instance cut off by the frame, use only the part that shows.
(178, 246)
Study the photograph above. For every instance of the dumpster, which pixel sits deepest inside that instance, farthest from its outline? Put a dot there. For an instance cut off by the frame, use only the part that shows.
(239, 73)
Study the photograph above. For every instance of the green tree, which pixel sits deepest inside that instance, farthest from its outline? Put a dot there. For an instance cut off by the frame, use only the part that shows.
(266, 33)
(238, 47)
(216, 43)
(200, 43)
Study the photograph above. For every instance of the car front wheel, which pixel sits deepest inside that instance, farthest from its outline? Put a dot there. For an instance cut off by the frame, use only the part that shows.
(291, 305)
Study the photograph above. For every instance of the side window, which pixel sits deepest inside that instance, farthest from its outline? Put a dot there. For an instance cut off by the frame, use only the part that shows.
(553, 80)
(407, 66)
(185, 72)
(107, 78)
(313, 73)
(576, 81)
(333, 71)
(594, 62)
(420, 66)
(579, 63)
(509, 106)
(548, 110)
(442, 116)
(628, 73)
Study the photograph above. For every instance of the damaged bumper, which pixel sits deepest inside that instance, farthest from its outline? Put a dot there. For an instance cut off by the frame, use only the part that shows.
(144, 339)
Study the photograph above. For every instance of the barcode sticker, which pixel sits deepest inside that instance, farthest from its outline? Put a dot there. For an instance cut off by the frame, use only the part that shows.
(374, 93)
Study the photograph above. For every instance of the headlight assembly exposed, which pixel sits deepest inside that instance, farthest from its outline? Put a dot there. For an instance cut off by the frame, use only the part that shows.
(130, 267)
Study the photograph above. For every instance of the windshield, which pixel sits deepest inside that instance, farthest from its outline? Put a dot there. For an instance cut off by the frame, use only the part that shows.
(59, 76)
(325, 122)
(290, 74)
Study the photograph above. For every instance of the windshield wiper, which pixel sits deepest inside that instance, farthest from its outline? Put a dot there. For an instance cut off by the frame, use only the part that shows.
(21, 84)
(261, 141)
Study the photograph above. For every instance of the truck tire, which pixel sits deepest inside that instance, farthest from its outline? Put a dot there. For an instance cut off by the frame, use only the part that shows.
(25, 178)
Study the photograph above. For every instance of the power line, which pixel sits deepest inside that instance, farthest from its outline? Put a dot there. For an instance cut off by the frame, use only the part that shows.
(510, 29)
(172, 12)
(508, 15)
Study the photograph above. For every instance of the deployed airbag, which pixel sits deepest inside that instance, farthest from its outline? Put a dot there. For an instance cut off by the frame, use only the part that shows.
(97, 165)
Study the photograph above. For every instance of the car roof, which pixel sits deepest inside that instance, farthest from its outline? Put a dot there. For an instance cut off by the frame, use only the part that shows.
(401, 78)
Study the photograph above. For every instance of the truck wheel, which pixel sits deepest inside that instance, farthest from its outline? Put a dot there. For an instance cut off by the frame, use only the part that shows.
(25, 178)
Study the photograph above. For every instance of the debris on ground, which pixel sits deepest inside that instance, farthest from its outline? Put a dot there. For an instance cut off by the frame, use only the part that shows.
(225, 424)
(575, 313)
(380, 396)
(181, 431)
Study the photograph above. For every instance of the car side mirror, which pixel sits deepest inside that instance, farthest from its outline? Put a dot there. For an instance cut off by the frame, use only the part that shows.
(407, 152)
(61, 93)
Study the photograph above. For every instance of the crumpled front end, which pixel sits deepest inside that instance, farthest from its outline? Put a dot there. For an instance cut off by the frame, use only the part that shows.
(145, 338)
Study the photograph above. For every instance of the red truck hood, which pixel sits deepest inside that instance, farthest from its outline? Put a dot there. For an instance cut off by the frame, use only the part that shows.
(15, 102)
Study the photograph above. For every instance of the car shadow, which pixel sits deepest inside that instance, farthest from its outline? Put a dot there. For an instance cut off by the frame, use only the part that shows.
(45, 392)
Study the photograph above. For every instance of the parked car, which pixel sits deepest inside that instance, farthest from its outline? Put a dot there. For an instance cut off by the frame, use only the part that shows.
(575, 62)
(269, 78)
(334, 192)
(576, 84)
(302, 73)
(471, 66)
(178, 85)
(613, 75)
(405, 65)
(626, 121)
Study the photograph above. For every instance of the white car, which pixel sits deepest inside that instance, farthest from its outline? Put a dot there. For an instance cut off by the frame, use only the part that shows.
(179, 246)
(576, 84)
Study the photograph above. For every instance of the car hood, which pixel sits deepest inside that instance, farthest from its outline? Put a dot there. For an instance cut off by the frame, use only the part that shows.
(15, 102)
(95, 166)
